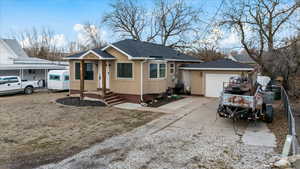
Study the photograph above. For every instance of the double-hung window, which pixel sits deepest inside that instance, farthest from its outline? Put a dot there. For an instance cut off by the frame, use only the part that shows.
(88, 71)
(157, 70)
(124, 70)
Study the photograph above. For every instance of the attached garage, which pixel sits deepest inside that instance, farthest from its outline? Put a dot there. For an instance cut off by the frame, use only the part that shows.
(207, 78)
(214, 83)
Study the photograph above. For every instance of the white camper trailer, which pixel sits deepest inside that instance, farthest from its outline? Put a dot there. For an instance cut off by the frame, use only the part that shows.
(58, 80)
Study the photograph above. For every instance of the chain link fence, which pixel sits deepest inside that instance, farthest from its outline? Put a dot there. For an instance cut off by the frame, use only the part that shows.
(294, 148)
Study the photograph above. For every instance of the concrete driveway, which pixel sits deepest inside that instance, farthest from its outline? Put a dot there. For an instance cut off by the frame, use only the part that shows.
(190, 136)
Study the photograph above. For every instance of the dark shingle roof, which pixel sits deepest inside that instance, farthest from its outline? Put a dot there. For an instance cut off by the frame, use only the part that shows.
(219, 64)
(136, 48)
(97, 50)
(243, 58)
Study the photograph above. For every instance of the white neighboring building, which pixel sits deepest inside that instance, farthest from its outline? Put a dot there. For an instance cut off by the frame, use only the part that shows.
(15, 62)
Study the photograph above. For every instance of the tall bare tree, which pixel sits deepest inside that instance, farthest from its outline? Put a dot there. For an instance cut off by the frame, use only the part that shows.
(259, 23)
(89, 37)
(127, 18)
(41, 43)
(166, 24)
(92, 36)
(175, 19)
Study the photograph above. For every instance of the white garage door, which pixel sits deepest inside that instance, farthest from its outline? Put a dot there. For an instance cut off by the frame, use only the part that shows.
(214, 83)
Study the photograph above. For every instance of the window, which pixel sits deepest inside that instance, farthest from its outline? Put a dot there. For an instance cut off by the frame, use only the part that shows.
(67, 78)
(162, 70)
(12, 79)
(153, 70)
(77, 71)
(124, 70)
(88, 74)
(9, 80)
(157, 70)
(31, 71)
(171, 68)
(54, 77)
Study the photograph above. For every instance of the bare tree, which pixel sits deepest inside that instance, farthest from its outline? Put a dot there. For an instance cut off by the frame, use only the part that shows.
(41, 43)
(259, 23)
(206, 53)
(285, 62)
(167, 23)
(127, 18)
(93, 37)
(175, 20)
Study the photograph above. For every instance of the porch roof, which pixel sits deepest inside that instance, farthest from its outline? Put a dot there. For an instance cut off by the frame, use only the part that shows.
(32, 66)
(97, 51)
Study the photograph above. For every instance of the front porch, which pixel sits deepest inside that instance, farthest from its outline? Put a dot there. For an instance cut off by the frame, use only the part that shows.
(92, 78)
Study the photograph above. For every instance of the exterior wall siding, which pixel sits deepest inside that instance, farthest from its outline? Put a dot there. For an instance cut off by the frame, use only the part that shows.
(154, 86)
(197, 83)
(127, 86)
(124, 86)
(89, 85)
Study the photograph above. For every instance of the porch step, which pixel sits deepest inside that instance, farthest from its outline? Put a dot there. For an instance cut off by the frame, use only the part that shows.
(111, 98)
(114, 100)
(109, 94)
(116, 103)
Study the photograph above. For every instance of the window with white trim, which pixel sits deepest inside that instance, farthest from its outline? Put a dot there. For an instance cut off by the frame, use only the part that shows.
(124, 70)
(89, 71)
(157, 70)
(172, 67)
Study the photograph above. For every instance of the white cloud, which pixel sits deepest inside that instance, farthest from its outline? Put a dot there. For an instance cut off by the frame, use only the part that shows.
(82, 34)
(230, 40)
(78, 27)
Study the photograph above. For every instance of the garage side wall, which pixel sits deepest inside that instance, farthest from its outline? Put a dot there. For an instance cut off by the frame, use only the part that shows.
(197, 82)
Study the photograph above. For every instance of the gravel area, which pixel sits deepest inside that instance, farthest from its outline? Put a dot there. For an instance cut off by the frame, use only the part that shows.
(190, 138)
(35, 130)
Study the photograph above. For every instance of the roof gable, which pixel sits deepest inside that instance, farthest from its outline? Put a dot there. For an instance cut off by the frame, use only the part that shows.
(97, 52)
(15, 47)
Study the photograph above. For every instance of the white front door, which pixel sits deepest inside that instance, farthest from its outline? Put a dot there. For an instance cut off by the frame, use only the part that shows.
(107, 76)
(214, 83)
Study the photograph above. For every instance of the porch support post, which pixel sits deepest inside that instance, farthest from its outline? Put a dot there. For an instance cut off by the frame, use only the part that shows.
(103, 77)
(46, 78)
(81, 79)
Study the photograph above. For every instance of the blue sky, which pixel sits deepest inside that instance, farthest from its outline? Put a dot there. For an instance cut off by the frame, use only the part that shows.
(59, 15)
(62, 15)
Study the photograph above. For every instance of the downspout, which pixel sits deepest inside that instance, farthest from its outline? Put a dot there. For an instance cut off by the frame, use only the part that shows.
(142, 80)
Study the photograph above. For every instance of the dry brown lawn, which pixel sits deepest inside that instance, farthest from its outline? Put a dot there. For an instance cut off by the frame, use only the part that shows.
(35, 130)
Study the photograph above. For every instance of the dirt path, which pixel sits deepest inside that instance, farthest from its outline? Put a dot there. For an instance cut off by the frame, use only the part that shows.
(36, 131)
